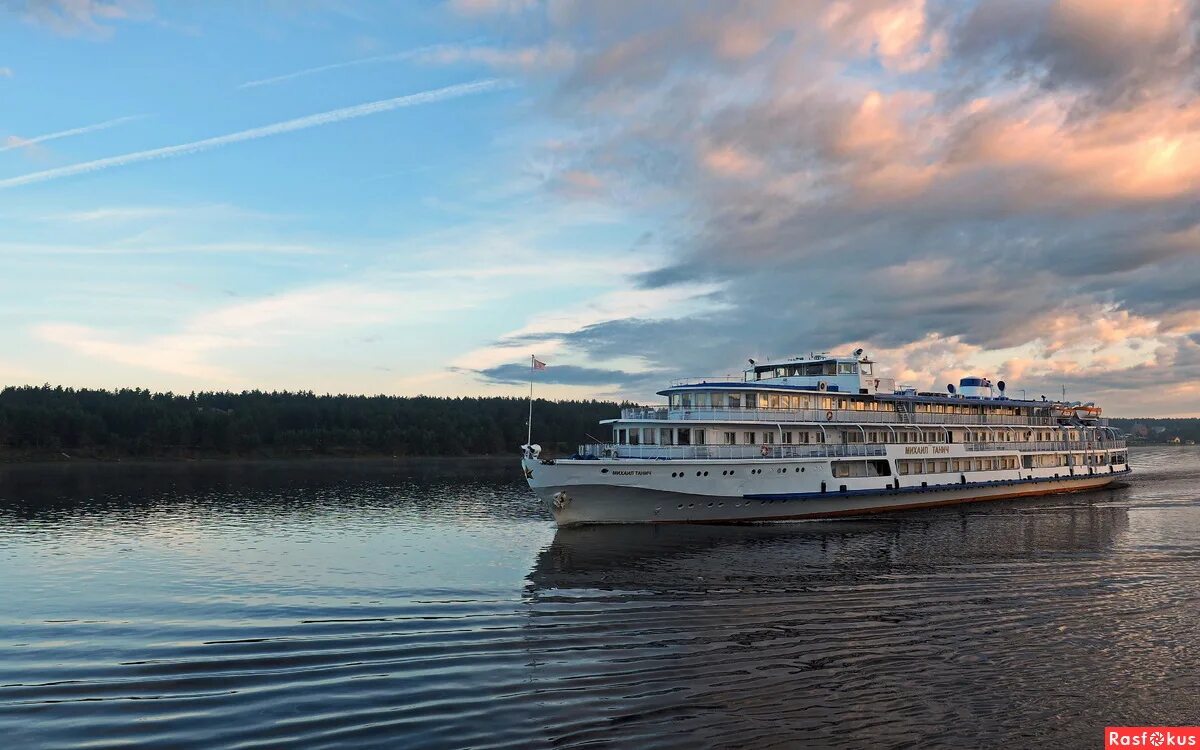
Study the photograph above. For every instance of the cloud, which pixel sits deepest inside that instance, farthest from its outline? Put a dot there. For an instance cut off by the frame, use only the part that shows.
(265, 131)
(6, 72)
(202, 340)
(75, 17)
(952, 185)
(565, 375)
(532, 58)
(13, 142)
(491, 7)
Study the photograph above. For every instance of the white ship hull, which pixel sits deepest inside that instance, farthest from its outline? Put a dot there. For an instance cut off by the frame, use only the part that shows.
(624, 491)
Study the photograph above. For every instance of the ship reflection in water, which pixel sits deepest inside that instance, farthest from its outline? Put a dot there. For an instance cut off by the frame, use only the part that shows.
(366, 607)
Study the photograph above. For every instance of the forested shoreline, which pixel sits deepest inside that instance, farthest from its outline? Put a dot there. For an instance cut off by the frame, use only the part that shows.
(45, 422)
(55, 422)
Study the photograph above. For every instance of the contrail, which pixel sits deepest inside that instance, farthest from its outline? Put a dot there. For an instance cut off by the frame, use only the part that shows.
(322, 68)
(300, 123)
(22, 142)
(391, 57)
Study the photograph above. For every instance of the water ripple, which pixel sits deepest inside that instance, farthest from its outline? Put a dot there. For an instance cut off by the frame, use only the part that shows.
(389, 606)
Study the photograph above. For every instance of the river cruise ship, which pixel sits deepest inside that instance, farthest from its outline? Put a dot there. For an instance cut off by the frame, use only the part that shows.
(822, 436)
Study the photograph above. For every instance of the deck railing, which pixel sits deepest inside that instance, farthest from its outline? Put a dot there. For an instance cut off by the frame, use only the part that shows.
(1051, 445)
(836, 416)
(739, 452)
(675, 452)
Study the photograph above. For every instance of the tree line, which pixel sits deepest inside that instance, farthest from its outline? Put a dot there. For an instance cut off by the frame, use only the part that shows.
(45, 420)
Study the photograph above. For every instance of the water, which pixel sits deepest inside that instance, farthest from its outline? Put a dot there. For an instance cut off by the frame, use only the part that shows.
(373, 605)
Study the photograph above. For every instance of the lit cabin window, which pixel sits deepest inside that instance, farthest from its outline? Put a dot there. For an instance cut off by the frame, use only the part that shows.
(718, 400)
(773, 400)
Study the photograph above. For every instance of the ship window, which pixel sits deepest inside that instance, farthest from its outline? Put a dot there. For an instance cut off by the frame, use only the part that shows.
(769, 437)
(675, 399)
(730, 438)
(764, 401)
(773, 400)
(751, 401)
(648, 435)
(665, 436)
(698, 437)
(718, 400)
(735, 401)
(621, 437)
(685, 400)
(865, 368)
(633, 437)
(847, 368)
(787, 438)
(683, 436)
(750, 437)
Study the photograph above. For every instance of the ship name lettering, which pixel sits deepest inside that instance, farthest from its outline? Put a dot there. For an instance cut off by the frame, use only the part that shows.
(920, 449)
(631, 473)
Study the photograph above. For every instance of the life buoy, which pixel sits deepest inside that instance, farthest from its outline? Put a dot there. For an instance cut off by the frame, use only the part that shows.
(828, 416)
(765, 451)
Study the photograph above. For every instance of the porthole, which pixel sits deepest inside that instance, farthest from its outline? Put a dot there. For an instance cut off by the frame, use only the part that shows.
(697, 473)
(723, 473)
(706, 473)
(801, 468)
(710, 505)
(604, 471)
(691, 505)
(681, 506)
(720, 505)
(731, 472)
(672, 473)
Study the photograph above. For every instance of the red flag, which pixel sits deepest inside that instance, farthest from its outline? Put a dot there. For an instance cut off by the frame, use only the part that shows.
(538, 364)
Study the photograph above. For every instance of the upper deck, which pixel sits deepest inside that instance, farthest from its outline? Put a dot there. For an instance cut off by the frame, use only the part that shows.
(824, 389)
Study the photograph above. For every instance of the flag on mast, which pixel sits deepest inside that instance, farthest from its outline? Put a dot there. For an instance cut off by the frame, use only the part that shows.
(538, 364)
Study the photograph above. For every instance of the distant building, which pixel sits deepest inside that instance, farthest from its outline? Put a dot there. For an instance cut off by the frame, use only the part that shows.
(1175, 440)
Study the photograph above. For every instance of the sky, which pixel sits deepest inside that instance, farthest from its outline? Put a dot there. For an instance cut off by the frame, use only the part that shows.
(415, 197)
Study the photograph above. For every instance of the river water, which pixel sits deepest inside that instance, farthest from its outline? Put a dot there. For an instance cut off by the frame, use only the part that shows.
(397, 606)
